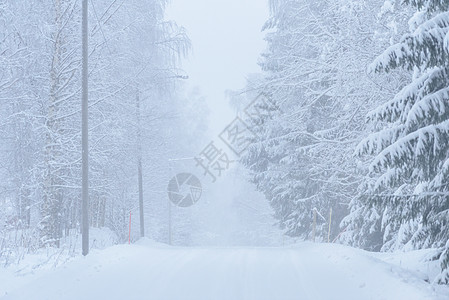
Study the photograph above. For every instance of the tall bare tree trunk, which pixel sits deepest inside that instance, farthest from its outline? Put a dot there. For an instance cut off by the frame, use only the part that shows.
(51, 206)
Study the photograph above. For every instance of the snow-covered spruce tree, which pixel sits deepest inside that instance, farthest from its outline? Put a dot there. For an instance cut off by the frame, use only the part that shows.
(411, 145)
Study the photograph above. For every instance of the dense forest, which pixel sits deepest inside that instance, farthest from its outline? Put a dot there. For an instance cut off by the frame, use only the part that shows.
(351, 133)
(135, 87)
(355, 122)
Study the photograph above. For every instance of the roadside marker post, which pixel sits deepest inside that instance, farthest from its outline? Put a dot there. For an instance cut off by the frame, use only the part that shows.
(129, 233)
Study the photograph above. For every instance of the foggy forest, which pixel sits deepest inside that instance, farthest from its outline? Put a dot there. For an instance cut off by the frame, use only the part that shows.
(235, 150)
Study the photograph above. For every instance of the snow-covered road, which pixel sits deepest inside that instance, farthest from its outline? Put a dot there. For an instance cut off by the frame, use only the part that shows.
(151, 271)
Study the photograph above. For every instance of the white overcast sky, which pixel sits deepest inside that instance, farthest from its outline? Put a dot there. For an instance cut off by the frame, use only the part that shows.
(227, 42)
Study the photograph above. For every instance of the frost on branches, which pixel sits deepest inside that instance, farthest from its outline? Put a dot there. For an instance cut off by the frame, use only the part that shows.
(408, 182)
(303, 157)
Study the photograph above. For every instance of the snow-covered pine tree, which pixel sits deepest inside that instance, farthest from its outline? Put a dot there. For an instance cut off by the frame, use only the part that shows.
(411, 146)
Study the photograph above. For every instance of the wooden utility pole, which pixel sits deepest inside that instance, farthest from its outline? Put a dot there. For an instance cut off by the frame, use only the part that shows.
(314, 224)
(139, 166)
(169, 223)
(85, 134)
(169, 206)
(330, 222)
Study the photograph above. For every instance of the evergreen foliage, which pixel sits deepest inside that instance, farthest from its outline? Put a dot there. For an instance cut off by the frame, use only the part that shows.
(410, 147)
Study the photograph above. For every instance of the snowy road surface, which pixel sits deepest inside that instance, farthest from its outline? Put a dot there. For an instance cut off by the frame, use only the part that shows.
(151, 271)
